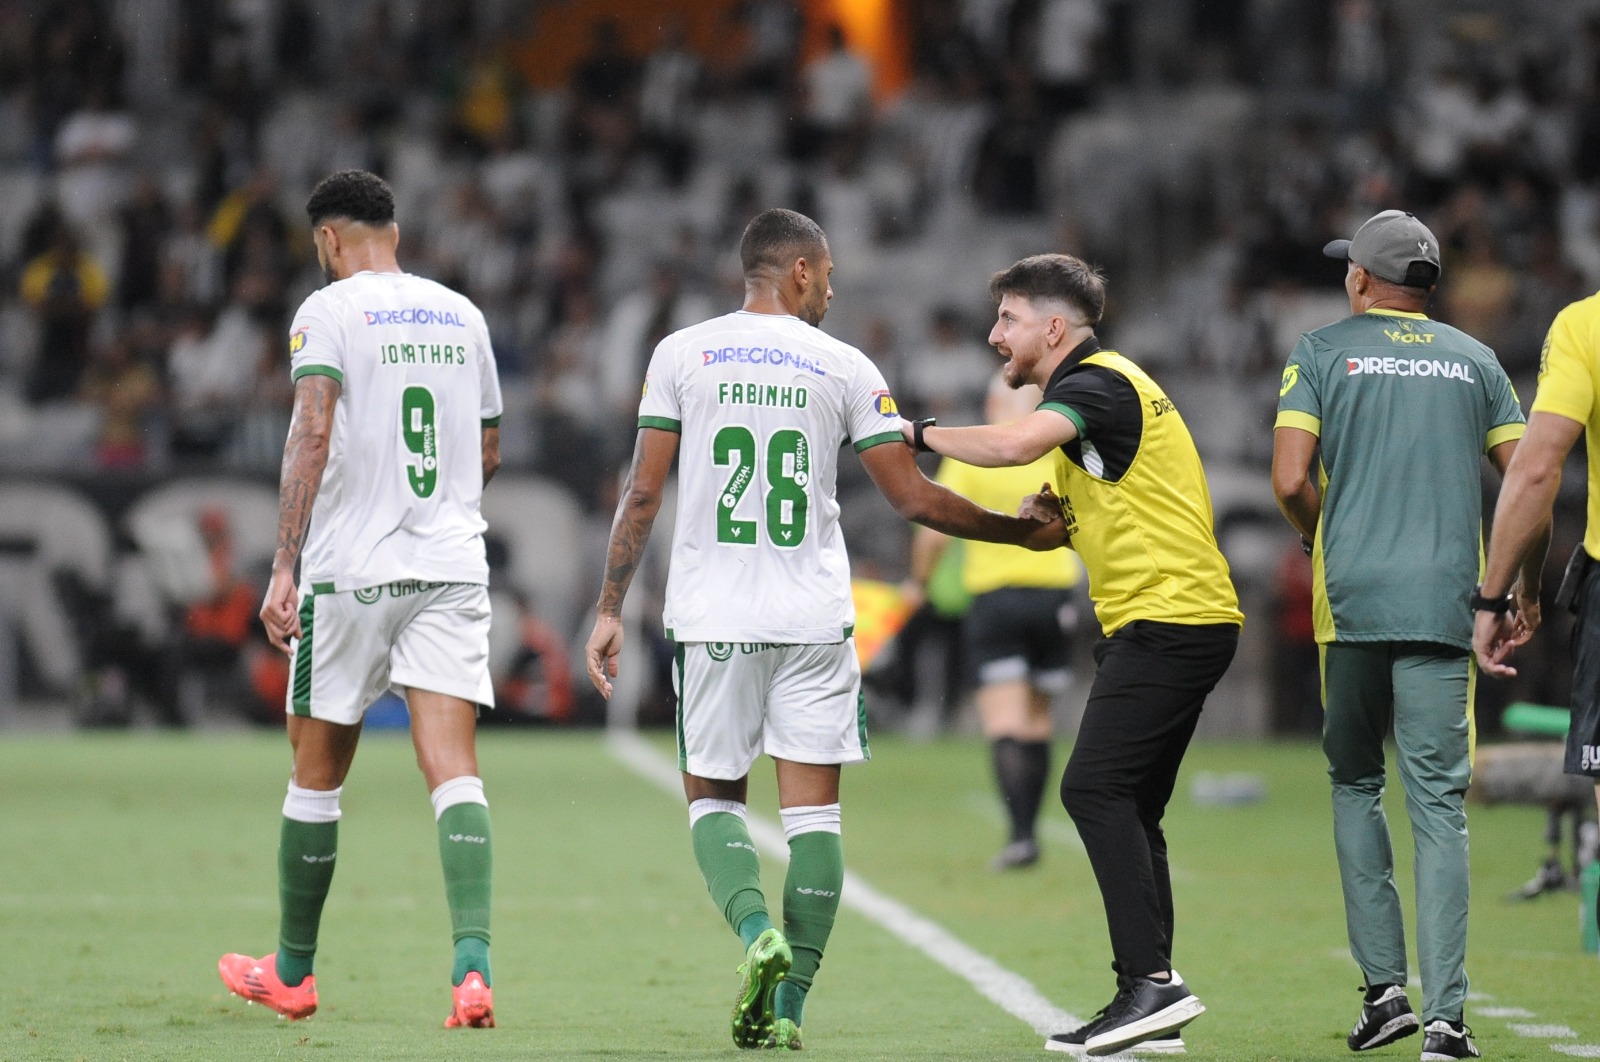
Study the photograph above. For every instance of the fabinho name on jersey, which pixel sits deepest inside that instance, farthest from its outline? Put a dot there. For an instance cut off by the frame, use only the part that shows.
(737, 393)
(422, 354)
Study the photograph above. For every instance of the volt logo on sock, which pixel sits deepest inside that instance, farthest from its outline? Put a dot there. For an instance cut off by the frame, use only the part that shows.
(468, 838)
(803, 891)
(313, 859)
(741, 844)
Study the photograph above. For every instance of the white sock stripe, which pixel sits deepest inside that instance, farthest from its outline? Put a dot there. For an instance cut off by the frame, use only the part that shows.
(822, 818)
(467, 789)
(699, 809)
(312, 805)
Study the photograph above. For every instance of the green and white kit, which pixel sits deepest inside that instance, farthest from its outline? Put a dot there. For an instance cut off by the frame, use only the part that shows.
(400, 494)
(762, 403)
(356, 644)
(793, 702)
(393, 577)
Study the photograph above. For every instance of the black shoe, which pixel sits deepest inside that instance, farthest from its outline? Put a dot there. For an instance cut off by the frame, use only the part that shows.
(1073, 1042)
(1386, 1016)
(1023, 853)
(1149, 1010)
(1444, 1041)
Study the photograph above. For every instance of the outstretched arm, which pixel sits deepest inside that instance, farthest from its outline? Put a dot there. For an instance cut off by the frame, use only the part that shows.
(1019, 442)
(653, 454)
(918, 498)
(305, 455)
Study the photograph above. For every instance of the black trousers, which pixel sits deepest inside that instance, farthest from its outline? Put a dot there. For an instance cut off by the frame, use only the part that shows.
(1151, 683)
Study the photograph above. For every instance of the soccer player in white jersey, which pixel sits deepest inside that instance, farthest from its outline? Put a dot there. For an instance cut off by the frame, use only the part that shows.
(395, 433)
(756, 406)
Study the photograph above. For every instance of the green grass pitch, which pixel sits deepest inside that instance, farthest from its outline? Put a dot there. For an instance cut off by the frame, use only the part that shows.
(128, 864)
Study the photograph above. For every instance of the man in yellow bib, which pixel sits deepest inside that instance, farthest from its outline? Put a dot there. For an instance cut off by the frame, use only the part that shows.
(1129, 483)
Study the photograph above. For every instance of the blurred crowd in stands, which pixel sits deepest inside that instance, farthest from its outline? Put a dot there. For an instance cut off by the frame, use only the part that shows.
(154, 157)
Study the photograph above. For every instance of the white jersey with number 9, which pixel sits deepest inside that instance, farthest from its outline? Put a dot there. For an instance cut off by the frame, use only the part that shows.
(762, 403)
(400, 494)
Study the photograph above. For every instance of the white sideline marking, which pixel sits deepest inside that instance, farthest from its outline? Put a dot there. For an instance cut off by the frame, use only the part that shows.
(1578, 1050)
(1011, 992)
(1503, 1012)
(1544, 1032)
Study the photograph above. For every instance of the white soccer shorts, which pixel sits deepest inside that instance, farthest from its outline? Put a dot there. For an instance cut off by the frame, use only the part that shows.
(356, 644)
(793, 702)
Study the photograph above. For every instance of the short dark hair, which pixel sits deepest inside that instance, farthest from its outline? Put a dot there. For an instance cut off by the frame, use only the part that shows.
(1054, 276)
(775, 238)
(355, 195)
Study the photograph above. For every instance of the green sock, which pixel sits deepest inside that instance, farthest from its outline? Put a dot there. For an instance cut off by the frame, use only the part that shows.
(306, 853)
(810, 902)
(752, 926)
(727, 859)
(467, 855)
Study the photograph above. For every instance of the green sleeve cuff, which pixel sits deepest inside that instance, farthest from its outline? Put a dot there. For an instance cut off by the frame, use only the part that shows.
(1293, 418)
(664, 423)
(1068, 412)
(1504, 433)
(491, 422)
(878, 440)
(317, 370)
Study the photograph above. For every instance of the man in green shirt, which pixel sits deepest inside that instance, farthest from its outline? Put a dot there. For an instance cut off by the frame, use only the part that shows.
(1396, 409)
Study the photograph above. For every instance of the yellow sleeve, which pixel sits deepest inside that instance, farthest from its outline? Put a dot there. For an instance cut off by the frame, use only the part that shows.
(1567, 365)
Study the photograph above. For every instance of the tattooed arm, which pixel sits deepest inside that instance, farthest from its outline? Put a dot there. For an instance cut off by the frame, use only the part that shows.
(304, 457)
(630, 532)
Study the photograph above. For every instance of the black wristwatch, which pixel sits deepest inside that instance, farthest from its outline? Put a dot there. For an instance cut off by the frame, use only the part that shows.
(917, 428)
(1498, 605)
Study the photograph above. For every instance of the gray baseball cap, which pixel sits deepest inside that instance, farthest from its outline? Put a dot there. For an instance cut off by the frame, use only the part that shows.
(1393, 245)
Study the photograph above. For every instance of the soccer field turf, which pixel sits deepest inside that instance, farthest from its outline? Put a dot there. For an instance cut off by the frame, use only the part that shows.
(130, 863)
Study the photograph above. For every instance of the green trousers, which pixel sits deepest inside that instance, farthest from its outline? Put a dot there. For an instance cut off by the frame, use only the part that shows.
(1426, 691)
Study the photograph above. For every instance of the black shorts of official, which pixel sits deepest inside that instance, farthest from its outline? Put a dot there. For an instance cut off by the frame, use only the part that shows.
(1021, 633)
(1583, 735)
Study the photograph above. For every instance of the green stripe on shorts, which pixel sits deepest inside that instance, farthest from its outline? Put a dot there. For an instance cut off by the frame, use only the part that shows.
(861, 721)
(677, 667)
(302, 657)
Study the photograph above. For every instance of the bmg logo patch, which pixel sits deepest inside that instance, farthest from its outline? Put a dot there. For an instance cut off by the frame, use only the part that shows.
(883, 402)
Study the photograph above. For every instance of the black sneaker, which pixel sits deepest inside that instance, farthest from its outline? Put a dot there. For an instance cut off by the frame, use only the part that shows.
(1386, 1016)
(1149, 1010)
(1444, 1041)
(1073, 1042)
(1171, 1044)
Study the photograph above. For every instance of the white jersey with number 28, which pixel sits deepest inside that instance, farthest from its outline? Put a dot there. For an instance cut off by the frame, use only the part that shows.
(400, 494)
(763, 403)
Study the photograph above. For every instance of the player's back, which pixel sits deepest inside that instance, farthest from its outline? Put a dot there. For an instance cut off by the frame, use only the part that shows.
(763, 404)
(401, 492)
